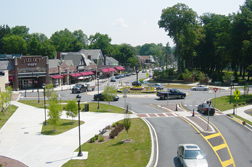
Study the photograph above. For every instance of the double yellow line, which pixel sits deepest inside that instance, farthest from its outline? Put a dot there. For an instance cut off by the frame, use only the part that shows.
(215, 148)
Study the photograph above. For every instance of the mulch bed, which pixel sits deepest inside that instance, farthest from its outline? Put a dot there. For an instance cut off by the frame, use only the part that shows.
(8, 162)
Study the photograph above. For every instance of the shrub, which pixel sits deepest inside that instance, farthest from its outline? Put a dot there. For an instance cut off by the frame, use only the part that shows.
(96, 137)
(92, 140)
(101, 138)
(116, 131)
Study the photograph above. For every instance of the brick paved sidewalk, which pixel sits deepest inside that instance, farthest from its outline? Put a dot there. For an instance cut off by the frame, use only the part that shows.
(8, 162)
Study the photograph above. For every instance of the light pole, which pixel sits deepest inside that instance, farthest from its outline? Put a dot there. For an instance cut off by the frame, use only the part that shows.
(98, 98)
(43, 86)
(38, 89)
(78, 98)
(137, 71)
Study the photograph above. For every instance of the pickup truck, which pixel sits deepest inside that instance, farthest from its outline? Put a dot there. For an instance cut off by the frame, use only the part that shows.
(173, 94)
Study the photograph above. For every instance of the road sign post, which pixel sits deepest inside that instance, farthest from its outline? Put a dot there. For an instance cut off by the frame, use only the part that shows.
(215, 90)
(236, 93)
(125, 91)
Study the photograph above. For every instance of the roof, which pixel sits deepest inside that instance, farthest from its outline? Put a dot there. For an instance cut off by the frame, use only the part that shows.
(94, 53)
(74, 56)
(112, 60)
(53, 63)
(6, 65)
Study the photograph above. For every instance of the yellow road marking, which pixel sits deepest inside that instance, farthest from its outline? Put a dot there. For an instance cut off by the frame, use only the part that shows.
(216, 148)
(237, 120)
(225, 163)
(212, 136)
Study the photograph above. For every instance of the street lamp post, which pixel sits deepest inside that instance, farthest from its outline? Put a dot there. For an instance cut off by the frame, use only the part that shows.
(78, 98)
(43, 86)
(38, 89)
(137, 71)
(98, 98)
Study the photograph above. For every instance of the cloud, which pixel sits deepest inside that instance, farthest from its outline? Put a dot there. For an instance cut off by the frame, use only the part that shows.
(120, 22)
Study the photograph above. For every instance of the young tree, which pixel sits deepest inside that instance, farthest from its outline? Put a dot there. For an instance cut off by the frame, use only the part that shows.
(3, 100)
(127, 122)
(71, 108)
(109, 92)
(49, 90)
(55, 110)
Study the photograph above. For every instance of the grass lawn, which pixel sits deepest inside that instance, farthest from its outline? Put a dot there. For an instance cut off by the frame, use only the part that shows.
(248, 122)
(114, 153)
(4, 116)
(65, 125)
(222, 103)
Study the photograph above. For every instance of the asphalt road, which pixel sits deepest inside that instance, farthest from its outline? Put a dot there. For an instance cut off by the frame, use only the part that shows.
(172, 131)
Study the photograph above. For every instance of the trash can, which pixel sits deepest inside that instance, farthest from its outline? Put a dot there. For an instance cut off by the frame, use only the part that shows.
(86, 107)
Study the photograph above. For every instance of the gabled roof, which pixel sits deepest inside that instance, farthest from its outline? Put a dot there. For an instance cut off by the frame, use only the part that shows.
(94, 53)
(53, 63)
(74, 56)
(111, 59)
(6, 65)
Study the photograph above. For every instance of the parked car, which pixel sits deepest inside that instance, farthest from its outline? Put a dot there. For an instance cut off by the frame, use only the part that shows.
(136, 83)
(143, 71)
(101, 97)
(173, 93)
(190, 155)
(122, 75)
(112, 79)
(158, 86)
(204, 108)
(128, 74)
(200, 88)
(78, 88)
(118, 76)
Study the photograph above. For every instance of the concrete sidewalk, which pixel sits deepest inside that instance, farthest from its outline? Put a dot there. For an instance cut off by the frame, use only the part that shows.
(241, 112)
(20, 137)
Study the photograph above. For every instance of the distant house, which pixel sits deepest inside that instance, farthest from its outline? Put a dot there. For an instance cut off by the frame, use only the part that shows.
(111, 61)
(94, 55)
(145, 60)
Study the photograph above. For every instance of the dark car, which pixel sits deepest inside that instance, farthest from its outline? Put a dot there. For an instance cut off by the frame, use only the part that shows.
(128, 74)
(204, 108)
(113, 79)
(101, 97)
(173, 94)
(118, 76)
(136, 83)
(78, 88)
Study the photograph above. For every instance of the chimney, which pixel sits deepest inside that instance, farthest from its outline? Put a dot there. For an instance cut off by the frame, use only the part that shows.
(59, 55)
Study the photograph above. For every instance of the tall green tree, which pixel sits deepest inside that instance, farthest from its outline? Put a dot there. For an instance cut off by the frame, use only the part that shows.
(124, 53)
(101, 41)
(174, 20)
(13, 44)
(21, 31)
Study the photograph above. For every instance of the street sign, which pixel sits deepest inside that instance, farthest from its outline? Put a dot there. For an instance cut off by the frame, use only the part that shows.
(147, 75)
(215, 89)
(237, 92)
(237, 97)
(125, 91)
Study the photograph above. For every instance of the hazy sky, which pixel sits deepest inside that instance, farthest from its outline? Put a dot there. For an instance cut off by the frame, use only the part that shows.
(133, 21)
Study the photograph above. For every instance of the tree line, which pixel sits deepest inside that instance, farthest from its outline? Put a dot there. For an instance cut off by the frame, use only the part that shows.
(212, 42)
(17, 40)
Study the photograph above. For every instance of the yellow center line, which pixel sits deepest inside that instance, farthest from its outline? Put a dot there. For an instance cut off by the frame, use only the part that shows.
(225, 163)
(216, 148)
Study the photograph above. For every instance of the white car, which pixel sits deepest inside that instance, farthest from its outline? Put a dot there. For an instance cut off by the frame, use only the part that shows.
(191, 155)
(158, 86)
(200, 88)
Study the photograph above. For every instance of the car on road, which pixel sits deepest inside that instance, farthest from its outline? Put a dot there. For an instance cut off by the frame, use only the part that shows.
(143, 71)
(122, 75)
(78, 88)
(112, 79)
(158, 86)
(128, 74)
(171, 94)
(118, 76)
(101, 97)
(204, 108)
(136, 83)
(200, 88)
(190, 155)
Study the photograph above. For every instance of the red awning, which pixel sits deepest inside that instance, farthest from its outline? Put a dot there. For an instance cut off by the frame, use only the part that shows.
(56, 76)
(76, 75)
(104, 70)
(10, 78)
(90, 72)
(120, 68)
(111, 69)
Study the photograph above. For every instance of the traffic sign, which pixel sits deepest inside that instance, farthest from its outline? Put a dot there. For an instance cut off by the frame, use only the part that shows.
(215, 89)
(237, 92)
(237, 97)
(147, 75)
(125, 91)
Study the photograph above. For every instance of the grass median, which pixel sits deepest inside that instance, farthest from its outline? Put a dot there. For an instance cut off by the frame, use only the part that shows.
(114, 153)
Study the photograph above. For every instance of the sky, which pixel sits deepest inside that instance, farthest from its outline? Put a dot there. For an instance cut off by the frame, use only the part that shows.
(134, 22)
